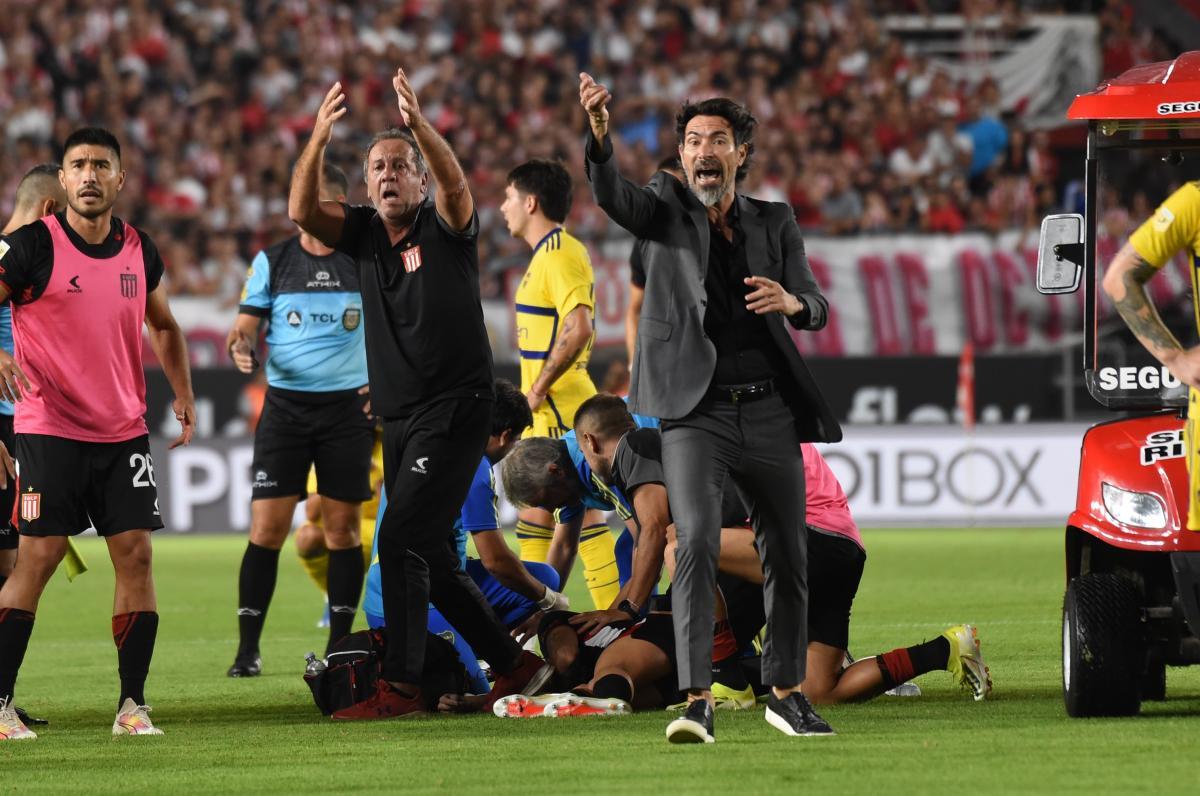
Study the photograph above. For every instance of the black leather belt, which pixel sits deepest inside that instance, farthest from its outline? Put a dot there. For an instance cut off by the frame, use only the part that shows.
(741, 393)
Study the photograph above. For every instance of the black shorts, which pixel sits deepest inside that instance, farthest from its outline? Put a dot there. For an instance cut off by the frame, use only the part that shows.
(300, 429)
(835, 567)
(66, 486)
(8, 531)
(583, 667)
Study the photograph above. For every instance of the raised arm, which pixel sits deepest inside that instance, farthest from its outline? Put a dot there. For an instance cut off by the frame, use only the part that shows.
(322, 220)
(453, 200)
(629, 205)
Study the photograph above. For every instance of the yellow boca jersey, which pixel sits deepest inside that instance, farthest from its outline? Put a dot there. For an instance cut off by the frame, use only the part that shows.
(558, 280)
(1175, 227)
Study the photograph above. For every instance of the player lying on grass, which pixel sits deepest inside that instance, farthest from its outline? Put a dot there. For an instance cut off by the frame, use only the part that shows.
(625, 457)
(514, 589)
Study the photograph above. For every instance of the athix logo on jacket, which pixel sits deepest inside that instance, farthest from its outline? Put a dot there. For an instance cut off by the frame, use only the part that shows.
(323, 279)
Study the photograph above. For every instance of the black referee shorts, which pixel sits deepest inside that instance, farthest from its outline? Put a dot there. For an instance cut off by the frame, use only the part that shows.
(300, 429)
(8, 530)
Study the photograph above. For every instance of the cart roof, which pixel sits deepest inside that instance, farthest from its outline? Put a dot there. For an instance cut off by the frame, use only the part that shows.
(1166, 90)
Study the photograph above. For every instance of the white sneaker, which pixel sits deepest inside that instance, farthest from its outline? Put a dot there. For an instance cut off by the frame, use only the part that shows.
(11, 726)
(134, 719)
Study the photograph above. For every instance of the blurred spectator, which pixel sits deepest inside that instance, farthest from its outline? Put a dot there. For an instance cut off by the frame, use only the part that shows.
(843, 206)
(212, 101)
(942, 215)
(988, 137)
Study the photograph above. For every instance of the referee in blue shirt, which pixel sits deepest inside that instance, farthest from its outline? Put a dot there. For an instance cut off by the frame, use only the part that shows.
(316, 412)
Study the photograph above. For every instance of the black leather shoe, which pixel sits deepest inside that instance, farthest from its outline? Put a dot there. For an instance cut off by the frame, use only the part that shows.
(696, 726)
(28, 720)
(794, 715)
(246, 666)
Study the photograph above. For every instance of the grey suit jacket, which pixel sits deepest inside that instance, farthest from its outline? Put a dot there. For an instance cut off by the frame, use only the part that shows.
(674, 360)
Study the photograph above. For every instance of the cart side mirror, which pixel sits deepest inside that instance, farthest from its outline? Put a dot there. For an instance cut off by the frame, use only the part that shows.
(1060, 253)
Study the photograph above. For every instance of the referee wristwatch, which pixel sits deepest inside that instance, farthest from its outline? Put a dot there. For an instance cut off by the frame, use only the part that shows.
(630, 608)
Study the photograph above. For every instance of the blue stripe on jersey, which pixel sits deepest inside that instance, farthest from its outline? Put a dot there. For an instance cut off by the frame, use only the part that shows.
(315, 337)
(548, 312)
(6, 342)
(552, 239)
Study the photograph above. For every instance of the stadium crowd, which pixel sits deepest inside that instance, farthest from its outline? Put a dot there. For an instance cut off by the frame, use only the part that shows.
(214, 100)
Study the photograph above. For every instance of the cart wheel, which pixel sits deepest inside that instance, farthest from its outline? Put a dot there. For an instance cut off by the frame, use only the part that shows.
(1102, 647)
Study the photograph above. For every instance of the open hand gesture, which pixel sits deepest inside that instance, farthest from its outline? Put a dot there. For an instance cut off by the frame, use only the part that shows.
(594, 99)
(330, 111)
(406, 99)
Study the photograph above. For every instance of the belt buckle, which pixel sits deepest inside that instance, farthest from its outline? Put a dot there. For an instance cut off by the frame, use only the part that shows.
(734, 396)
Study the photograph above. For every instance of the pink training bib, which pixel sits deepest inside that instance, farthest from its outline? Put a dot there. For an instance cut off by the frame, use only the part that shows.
(80, 344)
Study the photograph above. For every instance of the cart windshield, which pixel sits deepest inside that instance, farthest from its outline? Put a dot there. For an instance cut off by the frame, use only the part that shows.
(1138, 165)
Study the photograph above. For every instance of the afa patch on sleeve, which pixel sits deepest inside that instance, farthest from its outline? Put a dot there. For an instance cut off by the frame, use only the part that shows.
(1163, 219)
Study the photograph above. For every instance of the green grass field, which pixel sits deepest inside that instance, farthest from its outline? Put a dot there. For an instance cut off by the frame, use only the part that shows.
(265, 735)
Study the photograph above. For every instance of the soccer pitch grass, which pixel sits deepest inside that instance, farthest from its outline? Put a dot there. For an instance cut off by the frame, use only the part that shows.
(264, 734)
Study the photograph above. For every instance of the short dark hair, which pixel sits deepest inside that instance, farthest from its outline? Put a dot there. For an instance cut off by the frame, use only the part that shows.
(38, 184)
(92, 135)
(391, 134)
(334, 177)
(738, 116)
(549, 182)
(605, 415)
(511, 412)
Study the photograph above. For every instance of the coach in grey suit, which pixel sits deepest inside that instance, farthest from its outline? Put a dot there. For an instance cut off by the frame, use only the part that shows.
(715, 362)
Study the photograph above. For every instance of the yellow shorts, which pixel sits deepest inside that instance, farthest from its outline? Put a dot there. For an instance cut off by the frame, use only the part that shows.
(554, 418)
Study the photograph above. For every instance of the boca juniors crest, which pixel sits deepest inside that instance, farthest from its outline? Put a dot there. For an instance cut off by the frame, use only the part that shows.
(411, 258)
(31, 506)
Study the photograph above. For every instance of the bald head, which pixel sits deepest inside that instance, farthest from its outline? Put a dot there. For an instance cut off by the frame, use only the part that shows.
(38, 194)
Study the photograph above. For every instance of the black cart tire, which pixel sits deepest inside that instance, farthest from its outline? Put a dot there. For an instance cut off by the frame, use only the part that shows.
(1102, 649)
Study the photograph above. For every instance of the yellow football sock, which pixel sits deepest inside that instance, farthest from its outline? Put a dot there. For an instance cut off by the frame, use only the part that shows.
(317, 568)
(534, 540)
(596, 545)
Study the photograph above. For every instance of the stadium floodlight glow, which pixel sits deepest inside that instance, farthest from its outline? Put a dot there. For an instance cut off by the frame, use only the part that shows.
(1141, 509)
